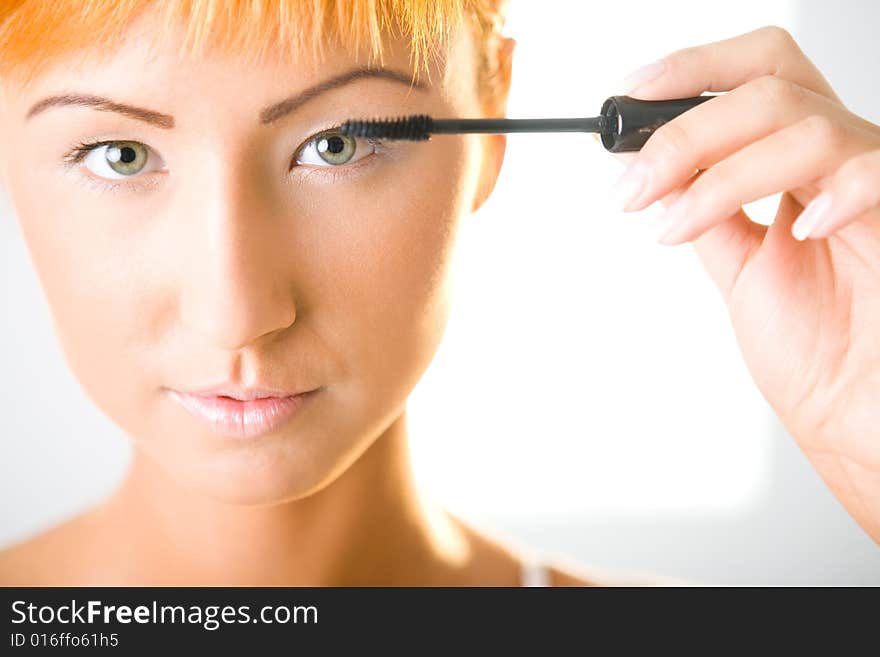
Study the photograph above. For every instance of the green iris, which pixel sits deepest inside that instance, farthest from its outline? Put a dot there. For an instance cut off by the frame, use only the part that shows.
(126, 157)
(336, 149)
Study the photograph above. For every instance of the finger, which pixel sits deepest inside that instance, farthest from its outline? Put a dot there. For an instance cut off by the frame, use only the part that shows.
(853, 194)
(667, 200)
(727, 64)
(625, 158)
(725, 248)
(709, 132)
(792, 157)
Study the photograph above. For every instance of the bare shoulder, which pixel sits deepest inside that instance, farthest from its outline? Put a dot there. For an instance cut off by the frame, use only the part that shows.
(499, 560)
(565, 576)
(564, 571)
(573, 575)
(49, 558)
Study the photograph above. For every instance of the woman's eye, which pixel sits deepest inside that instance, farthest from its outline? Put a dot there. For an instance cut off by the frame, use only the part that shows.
(118, 159)
(334, 149)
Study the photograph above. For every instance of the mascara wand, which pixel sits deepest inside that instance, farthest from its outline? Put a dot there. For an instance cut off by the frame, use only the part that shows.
(624, 123)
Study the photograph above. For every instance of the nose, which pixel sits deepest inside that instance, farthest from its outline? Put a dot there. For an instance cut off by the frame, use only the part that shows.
(236, 288)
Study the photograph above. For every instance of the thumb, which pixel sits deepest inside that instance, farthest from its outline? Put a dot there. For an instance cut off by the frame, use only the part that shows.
(625, 158)
(725, 249)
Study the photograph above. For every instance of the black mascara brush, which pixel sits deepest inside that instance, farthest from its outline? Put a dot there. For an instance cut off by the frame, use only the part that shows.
(624, 123)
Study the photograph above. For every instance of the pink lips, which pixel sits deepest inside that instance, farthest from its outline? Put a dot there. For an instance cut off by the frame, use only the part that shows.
(243, 419)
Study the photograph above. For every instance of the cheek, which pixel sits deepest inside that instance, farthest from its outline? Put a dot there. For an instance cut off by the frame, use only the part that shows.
(86, 273)
(382, 287)
(369, 262)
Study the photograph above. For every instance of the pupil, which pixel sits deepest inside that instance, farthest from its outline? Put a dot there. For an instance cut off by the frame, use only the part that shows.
(127, 154)
(335, 144)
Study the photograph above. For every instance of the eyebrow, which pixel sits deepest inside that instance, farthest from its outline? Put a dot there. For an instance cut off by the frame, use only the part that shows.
(268, 115)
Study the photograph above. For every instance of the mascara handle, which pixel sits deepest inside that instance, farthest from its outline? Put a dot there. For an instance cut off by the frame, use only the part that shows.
(633, 121)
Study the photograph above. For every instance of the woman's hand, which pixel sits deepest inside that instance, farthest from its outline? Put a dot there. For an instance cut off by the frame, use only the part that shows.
(806, 312)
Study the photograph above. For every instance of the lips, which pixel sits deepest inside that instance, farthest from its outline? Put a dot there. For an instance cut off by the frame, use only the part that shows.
(249, 418)
(243, 394)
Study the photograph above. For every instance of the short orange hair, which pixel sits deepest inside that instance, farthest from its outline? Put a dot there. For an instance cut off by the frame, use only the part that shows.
(33, 33)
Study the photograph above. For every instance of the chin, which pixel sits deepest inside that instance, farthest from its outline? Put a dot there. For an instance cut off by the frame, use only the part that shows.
(285, 470)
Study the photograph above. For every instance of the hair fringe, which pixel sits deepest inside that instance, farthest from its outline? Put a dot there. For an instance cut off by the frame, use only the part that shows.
(35, 33)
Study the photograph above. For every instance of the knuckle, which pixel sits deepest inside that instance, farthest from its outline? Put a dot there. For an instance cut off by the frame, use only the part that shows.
(718, 188)
(822, 131)
(779, 40)
(777, 92)
(668, 143)
(855, 189)
(706, 191)
(685, 60)
(859, 178)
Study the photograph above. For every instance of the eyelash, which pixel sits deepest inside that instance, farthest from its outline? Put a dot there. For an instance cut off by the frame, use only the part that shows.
(77, 153)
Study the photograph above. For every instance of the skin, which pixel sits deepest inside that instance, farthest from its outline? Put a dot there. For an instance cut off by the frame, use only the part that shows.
(229, 264)
(320, 503)
(805, 312)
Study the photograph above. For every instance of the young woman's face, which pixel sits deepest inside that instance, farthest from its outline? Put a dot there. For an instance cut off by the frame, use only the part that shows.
(215, 247)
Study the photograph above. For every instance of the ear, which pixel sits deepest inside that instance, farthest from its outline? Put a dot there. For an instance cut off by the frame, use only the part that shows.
(493, 147)
(3, 137)
(491, 158)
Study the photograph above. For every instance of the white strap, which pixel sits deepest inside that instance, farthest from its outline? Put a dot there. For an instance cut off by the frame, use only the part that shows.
(534, 573)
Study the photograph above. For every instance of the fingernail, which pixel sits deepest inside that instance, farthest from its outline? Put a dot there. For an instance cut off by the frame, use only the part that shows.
(816, 210)
(643, 75)
(673, 222)
(630, 185)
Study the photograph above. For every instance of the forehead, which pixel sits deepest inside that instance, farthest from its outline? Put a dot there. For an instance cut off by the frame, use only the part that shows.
(149, 56)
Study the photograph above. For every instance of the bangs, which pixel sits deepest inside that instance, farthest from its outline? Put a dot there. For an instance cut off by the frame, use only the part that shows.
(35, 33)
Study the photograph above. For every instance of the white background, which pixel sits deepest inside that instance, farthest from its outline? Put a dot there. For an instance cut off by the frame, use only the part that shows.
(588, 401)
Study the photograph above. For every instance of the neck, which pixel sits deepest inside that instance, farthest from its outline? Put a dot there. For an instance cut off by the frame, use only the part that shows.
(370, 526)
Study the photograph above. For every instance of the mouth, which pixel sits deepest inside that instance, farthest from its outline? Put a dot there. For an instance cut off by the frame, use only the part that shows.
(243, 394)
(248, 418)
